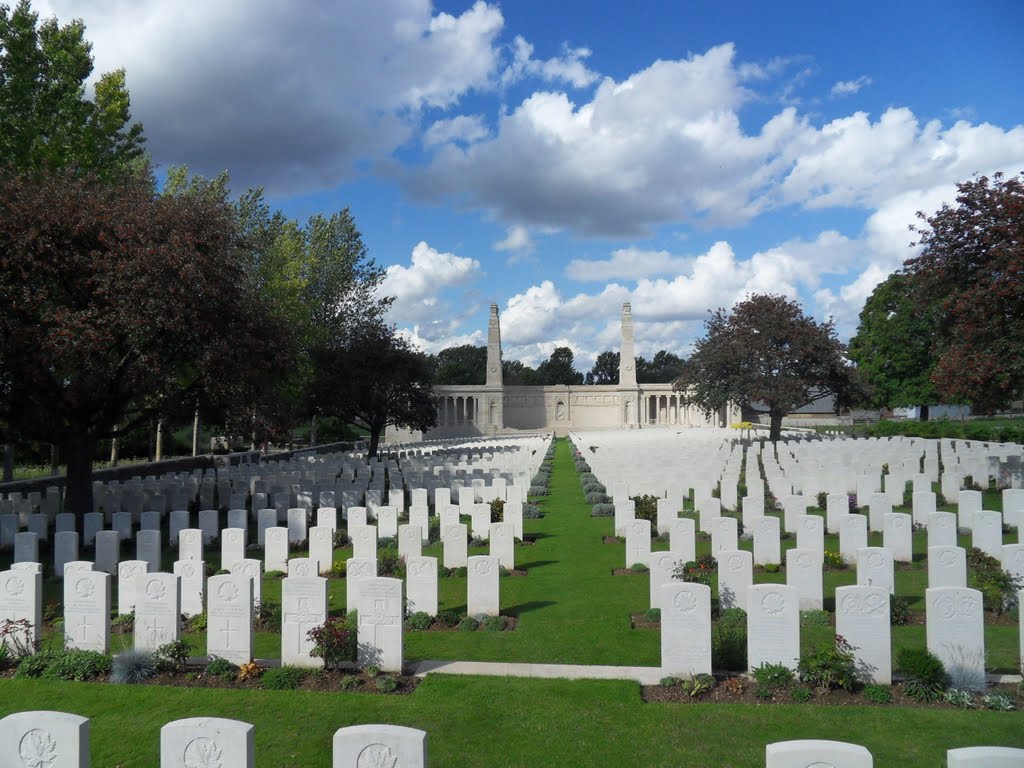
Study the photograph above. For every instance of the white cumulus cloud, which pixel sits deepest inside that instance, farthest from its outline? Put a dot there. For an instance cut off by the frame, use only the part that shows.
(418, 287)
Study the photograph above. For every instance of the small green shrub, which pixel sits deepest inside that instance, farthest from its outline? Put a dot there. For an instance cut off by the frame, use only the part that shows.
(959, 698)
(771, 568)
(284, 678)
(729, 642)
(879, 694)
(35, 665)
(218, 667)
(348, 681)
(670, 682)
(998, 587)
(341, 539)
(334, 641)
(772, 678)
(833, 561)
(494, 624)
(925, 677)
(79, 665)
(372, 671)
(831, 666)
(198, 622)
(132, 666)
(699, 571)
(639, 568)
(447, 619)
(386, 684)
(645, 507)
(800, 695)
(420, 620)
(899, 611)
(700, 685)
(468, 624)
(173, 654)
(497, 510)
(652, 615)
(123, 623)
(999, 702)
(822, 500)
(390, 564)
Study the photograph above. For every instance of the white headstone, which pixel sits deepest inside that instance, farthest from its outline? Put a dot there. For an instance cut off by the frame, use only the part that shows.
(803, 573)
(364, 540)
(773, 626)
(875, 568)
(192, 577)
(816, 753)
(381, 613)
(65, 550)
(502, 544)
(44, 740)
(26, 547)
(879, 506)
(108, 551)
(897, 536)
(482, 589)
(968, 502)
(297, 522)
(87, 611)
(127, 572)
(388, 746)
(303, 607)
(421, 584)
(229, 632)
(947, 566)
(253, 570)
(956, 634)
(207, 741)
(232, 547)
(923, 506)
(663, 565)
(21, 599)
(853, 535)
(410, 541)
(357, 570)
(862, 619)
(682, 538)
(724, 535)
(275, 549)
(455, 546)
(810, 533)
(942, 529)
(638, 543)
(985, 757)
(190, 544)
(265, 518)
(685, 629)
(987, 532)
(767, 545)
(157, 610)
(321, 547)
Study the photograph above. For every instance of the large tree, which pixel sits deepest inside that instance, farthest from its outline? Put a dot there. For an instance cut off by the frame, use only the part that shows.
(558, 368)
(972, 266)
(517, 373)
(605, 370)
(374, 378)
(465, 364)
(46, 121)
(766, 355)
(115, 304)
(663, 368)
(893, 346)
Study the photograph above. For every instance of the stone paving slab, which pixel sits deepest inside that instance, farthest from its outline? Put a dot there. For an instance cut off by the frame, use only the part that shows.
(642, 675)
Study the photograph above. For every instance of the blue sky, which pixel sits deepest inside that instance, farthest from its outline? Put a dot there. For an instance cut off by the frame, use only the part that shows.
(560, 158)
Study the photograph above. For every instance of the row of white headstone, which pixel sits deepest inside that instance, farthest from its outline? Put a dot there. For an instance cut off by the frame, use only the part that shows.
(45, 739)
(48, 738)
(954, 628)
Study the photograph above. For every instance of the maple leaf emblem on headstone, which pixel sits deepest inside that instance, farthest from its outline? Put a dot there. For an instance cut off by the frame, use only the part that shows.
(377, 756)
(203, 753)
(38, 749)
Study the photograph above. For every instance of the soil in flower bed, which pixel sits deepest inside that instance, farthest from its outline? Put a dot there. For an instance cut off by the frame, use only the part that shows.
(628, 572)
(612, 540)
(742, 690)
(511, 622)
(638, 621)
(316, 680)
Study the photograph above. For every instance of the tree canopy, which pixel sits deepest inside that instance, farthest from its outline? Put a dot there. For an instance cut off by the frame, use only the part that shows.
(558, 368)
(893, 345)
(605, 370)
(663, 368)
(46, 121)
(116, 303)
(517, 373)
(765, 354)
(972, 267)
(466, 364)
(373, 377)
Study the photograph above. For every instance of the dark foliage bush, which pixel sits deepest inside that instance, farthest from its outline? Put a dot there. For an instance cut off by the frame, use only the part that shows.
(284, 678)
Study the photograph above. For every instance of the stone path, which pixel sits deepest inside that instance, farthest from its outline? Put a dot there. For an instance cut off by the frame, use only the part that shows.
(642, 675)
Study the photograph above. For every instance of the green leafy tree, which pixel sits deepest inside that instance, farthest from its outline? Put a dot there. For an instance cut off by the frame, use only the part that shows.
(558, 368)
(46, 121)
(768, 356)
(116, 304)
(663, 368)
(465, 364)
(605, 370)
(893, 346)
(972, 267)
(516, 373)
(374, 378)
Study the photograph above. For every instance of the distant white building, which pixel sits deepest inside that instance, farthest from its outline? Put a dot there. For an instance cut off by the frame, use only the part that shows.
(494, 408)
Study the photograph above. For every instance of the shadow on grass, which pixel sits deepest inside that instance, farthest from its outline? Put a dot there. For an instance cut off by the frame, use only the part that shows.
(533, 605)
(536, 564)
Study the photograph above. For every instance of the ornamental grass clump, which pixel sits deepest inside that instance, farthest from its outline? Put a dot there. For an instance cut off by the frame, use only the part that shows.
(132, 666)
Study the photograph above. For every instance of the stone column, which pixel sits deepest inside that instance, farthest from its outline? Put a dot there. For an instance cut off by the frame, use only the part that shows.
(627, 355)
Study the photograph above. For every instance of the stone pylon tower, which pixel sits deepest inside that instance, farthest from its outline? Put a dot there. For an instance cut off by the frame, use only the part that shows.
(628, 390)
(493, 415)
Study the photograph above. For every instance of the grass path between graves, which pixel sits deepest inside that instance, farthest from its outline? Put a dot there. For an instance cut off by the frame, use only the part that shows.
(491, 722)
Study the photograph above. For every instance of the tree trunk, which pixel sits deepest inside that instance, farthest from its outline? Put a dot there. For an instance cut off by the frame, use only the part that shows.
(312, 431)
(8, 462)
(775, 431)
(195, 433)
(78, 449)
(374, 440)
(158, 451)
(54, 460)
(113, 448)
(924, 413)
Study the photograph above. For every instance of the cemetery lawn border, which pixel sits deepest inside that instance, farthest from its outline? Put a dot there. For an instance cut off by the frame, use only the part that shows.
(477, 721)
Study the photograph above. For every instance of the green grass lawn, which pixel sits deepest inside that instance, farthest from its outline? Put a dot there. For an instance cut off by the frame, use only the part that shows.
(571, 609)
